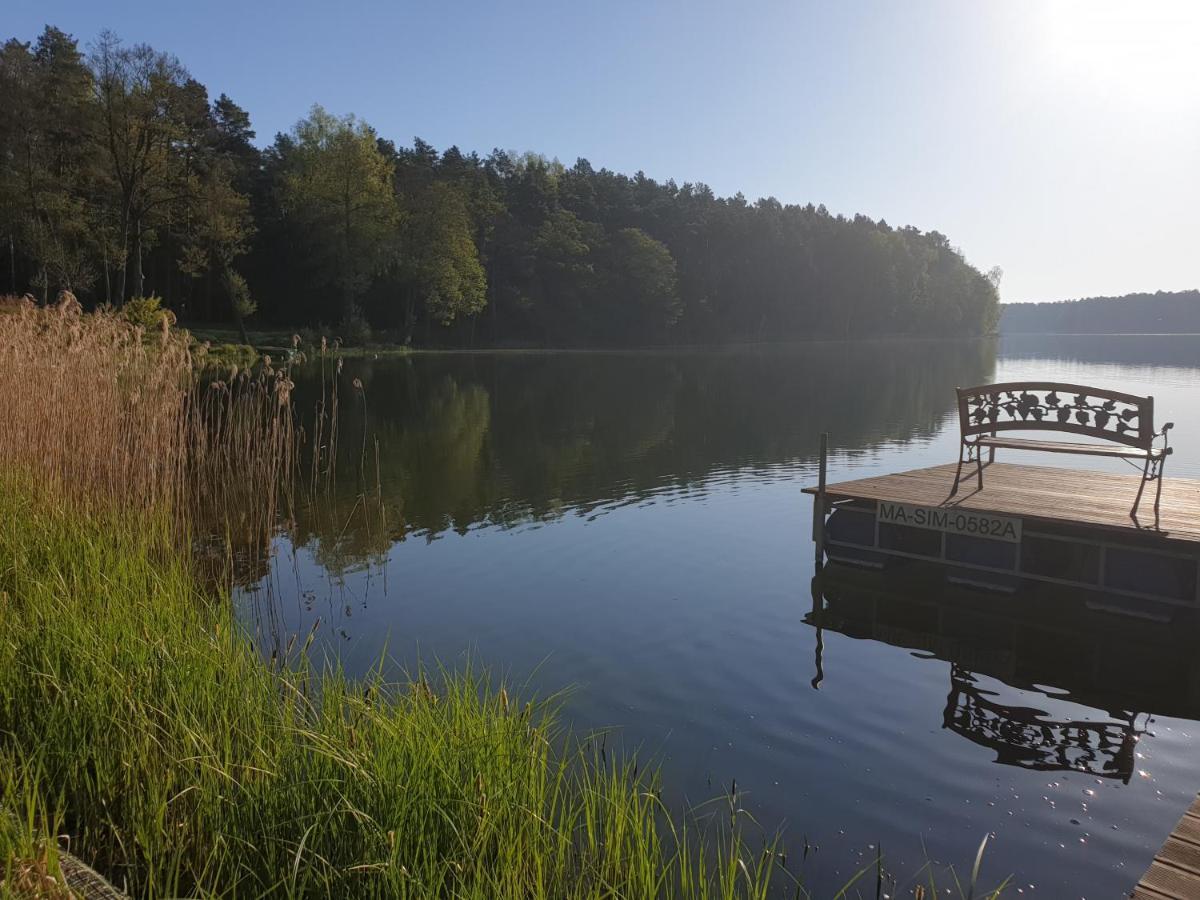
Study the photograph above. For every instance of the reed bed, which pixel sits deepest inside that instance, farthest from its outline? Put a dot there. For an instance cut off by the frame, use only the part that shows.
(137, 717)
(242, 448)
(110, 415)
(91, 406)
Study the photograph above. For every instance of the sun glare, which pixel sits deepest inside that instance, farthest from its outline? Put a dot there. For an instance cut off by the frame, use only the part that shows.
(1144, 51)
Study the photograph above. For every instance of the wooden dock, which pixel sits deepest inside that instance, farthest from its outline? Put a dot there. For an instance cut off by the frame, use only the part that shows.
(1044, 494)
(1030, 524)
(1175, 872)
(1027, 524)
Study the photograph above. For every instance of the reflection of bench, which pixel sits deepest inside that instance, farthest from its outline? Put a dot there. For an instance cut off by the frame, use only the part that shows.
(1124, 421)
(1026, 738)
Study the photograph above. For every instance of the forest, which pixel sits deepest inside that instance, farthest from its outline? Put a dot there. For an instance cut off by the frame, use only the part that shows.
(1163, 312)
(123, 178)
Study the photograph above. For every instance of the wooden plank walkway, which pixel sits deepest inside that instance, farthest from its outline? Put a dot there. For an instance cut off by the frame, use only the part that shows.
(1175, 872)
(1045, 494)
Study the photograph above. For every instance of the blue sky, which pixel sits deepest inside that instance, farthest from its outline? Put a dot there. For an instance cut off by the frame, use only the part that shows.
(1058, 139)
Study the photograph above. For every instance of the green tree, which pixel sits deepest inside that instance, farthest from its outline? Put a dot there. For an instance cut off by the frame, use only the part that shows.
(140, 97)
(232, 140)
(45, 185)
(213, 220)
(641, 296)
(439, 261)
(563, 283)
(120, 165)
(337, 186)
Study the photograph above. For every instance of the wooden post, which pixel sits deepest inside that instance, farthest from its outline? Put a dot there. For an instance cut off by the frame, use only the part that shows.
(818, 532)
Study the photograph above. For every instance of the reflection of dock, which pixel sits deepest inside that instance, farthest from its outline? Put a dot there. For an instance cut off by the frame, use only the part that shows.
(1130, 669)
(1112, 663)
(1125, 668)
(1028, 523)
(1175, 872)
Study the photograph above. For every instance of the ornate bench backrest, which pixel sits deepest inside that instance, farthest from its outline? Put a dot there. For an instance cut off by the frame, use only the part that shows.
(1050, 406)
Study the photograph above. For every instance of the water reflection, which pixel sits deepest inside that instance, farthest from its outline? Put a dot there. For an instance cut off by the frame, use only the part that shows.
(1028, 737)
(1006, 652)
(501, 440)
(632, 525)
(1153, 350)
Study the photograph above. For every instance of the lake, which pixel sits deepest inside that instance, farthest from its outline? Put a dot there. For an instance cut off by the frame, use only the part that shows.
(631, 525)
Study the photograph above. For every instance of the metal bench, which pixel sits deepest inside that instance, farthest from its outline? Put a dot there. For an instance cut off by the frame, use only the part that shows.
(1124, 421)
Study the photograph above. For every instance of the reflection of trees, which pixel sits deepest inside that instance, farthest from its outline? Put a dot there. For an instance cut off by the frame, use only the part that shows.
(429, 477)
(431, 466)
(240, 558)
(500, 439)
(343, 532)
(1122, 667)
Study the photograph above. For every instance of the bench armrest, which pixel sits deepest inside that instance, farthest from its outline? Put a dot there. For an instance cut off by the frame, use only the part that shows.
(1167, 426)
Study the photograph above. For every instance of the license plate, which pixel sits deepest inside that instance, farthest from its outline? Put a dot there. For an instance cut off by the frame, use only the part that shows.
(954, 521)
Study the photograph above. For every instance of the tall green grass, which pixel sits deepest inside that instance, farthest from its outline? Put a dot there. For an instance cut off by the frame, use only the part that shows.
(136, 716)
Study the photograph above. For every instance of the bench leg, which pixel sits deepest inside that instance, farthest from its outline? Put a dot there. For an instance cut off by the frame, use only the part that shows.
(979, 466)
(1141, 487)
(1158, 488)
(958, 473)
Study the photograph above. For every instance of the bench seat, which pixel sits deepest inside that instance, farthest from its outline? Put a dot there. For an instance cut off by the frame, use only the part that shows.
(1115, 450)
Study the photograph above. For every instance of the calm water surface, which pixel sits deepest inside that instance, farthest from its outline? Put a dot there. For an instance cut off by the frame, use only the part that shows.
(631, 524)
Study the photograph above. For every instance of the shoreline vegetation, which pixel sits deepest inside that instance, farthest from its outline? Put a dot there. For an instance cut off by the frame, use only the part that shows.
(138, 717)
(124, 179)
(223, 344)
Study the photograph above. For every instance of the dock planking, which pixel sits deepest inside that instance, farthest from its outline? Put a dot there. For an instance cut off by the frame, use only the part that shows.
(1044, 494)
(1175, 872)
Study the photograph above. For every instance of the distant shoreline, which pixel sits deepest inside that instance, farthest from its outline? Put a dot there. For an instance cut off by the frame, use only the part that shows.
(1170, 312)
(1004, 334)
(275, 341)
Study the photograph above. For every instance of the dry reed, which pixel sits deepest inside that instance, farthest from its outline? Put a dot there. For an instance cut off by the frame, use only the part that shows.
(121, 418)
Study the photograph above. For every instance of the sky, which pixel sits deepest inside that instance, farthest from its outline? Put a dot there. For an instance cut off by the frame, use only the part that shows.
(1057, 139)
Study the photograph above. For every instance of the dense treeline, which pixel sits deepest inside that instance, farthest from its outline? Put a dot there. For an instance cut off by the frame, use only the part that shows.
(123, 178)
(1163, 312)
